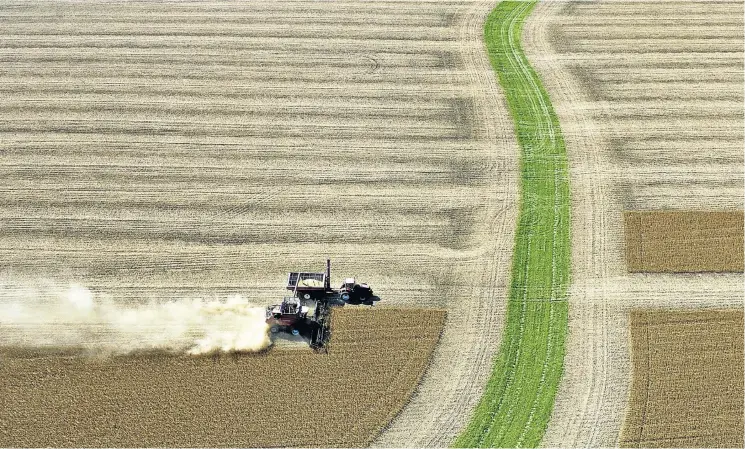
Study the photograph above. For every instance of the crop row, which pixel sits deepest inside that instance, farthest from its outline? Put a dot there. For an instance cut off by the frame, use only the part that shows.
(285, 397)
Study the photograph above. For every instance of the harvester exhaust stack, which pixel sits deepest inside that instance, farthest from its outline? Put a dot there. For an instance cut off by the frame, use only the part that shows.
(327, 281)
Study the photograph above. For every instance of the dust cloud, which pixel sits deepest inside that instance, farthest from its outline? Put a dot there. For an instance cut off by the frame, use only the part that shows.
(50, 315)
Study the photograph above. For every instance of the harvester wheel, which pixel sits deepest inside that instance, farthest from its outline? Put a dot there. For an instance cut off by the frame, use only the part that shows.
(274, 329)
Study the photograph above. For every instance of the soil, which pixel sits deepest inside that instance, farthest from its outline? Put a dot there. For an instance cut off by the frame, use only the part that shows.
(687, 389)
(283, 397)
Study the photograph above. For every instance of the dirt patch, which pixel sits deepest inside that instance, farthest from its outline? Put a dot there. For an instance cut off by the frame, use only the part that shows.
(687, 389)
(284, 397)
(684, 241)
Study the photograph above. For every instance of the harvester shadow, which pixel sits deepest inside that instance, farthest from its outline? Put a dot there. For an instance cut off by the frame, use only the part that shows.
(367, 302)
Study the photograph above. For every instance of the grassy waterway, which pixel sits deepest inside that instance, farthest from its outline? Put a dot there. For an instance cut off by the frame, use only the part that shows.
(519, 396)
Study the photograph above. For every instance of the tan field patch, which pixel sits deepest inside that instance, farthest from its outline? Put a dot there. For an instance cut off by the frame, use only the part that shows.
(281, 398)
(687, 389)
(683, 241)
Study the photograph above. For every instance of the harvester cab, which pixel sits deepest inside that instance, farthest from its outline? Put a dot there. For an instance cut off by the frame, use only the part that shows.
(287, 316)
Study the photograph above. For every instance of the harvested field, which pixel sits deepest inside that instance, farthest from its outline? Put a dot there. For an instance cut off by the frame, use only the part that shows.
(649, 129)
(343, 398)
(688, 383)
(663, 84)
(169, 150)
(684, 241)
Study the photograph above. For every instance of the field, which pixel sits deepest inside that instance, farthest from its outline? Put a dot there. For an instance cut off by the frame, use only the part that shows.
(171, 150)
(684, 241)
(649, 98)
(375, 359)
(518, 399)
(690, 363)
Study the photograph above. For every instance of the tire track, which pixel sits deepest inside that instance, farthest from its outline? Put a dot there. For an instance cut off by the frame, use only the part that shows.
(591, 401)
(223, 163)
(590, 206)
(501, 418)
(461, 364)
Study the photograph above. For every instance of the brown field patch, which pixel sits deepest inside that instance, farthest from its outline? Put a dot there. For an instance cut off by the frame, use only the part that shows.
(687, 389)
(281, 398)
(684, 241)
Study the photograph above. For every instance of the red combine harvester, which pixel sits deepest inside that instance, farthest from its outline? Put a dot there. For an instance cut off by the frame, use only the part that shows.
(306, 312)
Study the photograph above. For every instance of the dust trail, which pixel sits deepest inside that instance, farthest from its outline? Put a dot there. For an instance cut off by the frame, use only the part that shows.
(50, 315)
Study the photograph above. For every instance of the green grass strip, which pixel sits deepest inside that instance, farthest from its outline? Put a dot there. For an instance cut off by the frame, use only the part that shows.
(516, 405)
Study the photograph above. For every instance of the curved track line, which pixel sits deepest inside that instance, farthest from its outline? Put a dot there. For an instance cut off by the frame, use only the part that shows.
(517, 403)
(591, 203)
(593, 396)
(460, 365)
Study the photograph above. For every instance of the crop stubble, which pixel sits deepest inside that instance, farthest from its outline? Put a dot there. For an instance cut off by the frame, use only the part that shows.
(683, 72)
(285, 397)
(629, 147)
(687, 389)
(244, 155)
(159, 151)
(683, 241)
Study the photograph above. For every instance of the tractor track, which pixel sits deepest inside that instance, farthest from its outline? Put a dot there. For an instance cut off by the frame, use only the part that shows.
(590, 207)
(514, 410)
(444, 400)
(591, 402)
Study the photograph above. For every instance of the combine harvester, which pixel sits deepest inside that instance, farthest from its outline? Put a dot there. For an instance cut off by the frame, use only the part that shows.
(306, 312)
